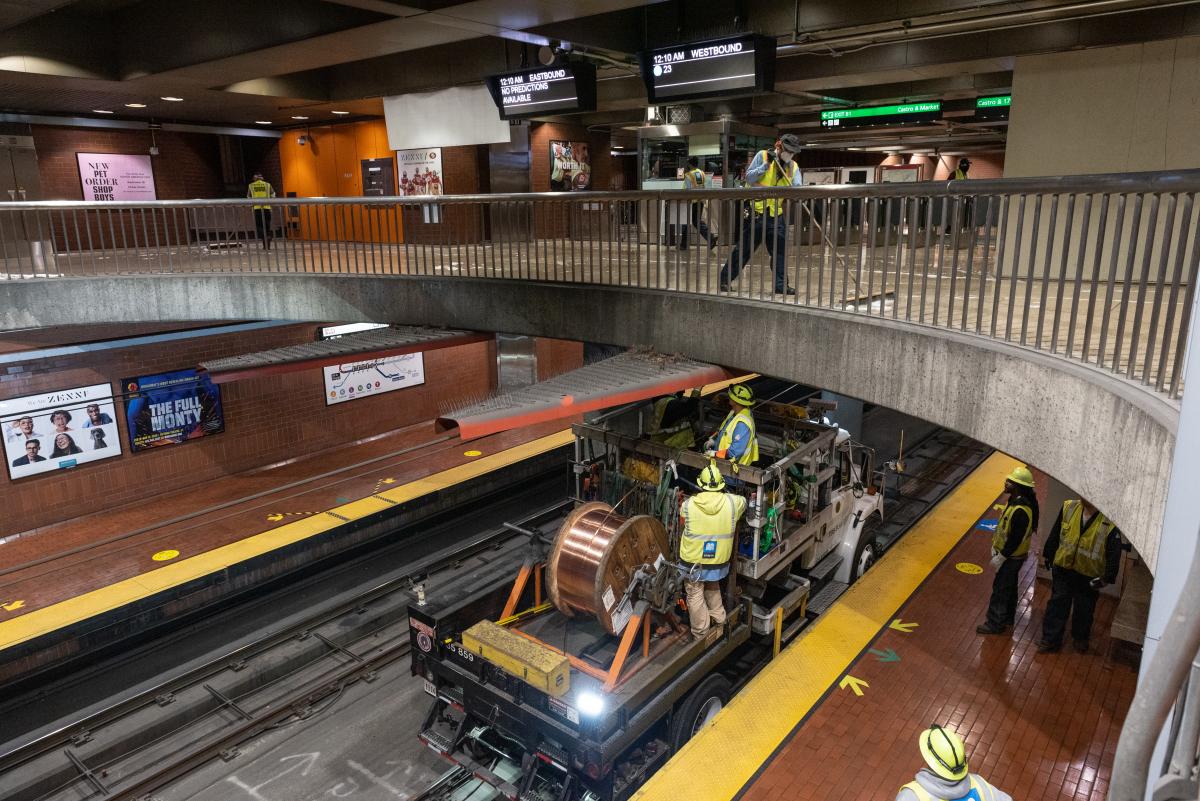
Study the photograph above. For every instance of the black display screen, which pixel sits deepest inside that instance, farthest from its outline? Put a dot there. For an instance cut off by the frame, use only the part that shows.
(544, 90)
(716, 68)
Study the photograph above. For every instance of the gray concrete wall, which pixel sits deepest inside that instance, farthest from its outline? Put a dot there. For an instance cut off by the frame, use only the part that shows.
(1108, 439)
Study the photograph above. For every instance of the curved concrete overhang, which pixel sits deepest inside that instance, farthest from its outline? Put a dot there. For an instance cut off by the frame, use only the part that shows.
(1109, 439)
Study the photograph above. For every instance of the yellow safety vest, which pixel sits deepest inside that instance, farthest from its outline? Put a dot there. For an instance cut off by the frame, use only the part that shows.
(1000, 535)
(725, 434)
(985, 791)
(772, 177)
(696, 177)
(1082, 551)
(708, 537)
(959, 175)
(679, 435)
(261, 189)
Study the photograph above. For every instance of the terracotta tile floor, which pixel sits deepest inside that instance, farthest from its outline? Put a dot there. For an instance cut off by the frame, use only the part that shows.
(1039, 726)
(77, 556)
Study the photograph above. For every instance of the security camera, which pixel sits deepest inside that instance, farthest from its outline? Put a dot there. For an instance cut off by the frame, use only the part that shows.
(302, 140)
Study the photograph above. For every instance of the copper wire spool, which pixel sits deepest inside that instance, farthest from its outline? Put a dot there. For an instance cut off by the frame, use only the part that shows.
(594, 558)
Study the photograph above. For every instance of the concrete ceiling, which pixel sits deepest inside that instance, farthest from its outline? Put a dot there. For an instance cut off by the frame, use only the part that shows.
(235, 62)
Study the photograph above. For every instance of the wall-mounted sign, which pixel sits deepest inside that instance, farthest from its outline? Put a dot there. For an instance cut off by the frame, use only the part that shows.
(420, 171)
(995, 107)
(570, 86)
(716, 68)
(347, 382)
(570, 166)
(58, 430)
(114, 176)
(170, 408)
(902, 114)
(340, 330)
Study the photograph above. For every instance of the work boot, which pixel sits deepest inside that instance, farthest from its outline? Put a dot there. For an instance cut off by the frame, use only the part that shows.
(725, 287)
(787, 290)
(712, 243)
(988, 628)
(1081, 646)
(1044, 647)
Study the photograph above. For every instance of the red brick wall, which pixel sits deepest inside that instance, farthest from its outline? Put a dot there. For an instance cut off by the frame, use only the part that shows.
(555, 356)
(266, 419)
(465, 172)
(188, 166)
(554, 220)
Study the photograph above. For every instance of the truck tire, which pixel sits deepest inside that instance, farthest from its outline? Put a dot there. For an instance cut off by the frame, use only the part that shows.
(865, 555)
(698, 709)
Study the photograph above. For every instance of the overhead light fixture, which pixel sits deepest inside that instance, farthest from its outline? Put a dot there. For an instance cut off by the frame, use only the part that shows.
(263, 122)
(101, 111)
(341, 113)
(135, 105)
(298, 117)
(171, 99)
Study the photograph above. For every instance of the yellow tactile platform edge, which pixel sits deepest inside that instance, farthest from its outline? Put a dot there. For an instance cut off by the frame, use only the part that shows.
(764, 713)
(96, 602)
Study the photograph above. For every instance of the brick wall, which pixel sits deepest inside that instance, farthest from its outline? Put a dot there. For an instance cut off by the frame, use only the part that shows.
(266, 419)
(465, 172)
(188, 166)
(554, 220)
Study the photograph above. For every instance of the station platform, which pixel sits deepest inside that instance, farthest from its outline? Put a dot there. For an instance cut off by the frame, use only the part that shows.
(837, 715)
(157, 559)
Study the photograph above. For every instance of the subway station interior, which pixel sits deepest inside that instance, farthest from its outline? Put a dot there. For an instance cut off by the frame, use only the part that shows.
(591, 400)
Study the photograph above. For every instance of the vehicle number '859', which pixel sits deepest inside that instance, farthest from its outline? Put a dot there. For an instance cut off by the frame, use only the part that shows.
(462, 652)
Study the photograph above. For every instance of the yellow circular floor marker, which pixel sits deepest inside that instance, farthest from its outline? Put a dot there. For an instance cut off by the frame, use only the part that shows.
(472, 453)
(970, 568)
(165, 556)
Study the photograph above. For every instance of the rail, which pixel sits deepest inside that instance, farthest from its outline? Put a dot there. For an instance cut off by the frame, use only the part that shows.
(1096, 269)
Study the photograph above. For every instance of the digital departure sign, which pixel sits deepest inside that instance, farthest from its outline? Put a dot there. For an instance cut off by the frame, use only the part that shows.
(544, 90)
(995, 107)
(717, 68)
(901, 114)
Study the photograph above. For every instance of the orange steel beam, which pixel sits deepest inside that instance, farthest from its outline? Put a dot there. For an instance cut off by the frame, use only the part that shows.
(576, 662)
(518, 587)
(631, 632)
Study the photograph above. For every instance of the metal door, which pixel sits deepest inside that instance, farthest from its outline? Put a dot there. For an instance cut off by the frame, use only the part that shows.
(26, 245)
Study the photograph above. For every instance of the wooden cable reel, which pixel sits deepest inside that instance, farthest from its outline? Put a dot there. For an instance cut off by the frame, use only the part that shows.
(594, 558)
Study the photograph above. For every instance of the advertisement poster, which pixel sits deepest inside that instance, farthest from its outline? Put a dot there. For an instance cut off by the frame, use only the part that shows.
(420, 171)
(112, 176)
(345, 382)
(58, 430)
(570, 166)
(170, 408)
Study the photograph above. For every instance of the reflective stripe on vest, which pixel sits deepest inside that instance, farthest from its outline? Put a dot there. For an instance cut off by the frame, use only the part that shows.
(772, 177)
(679, 435)
(1082, 551)
(1000, 536)
(980, 791)
(708, 538)
(725, 435)
(260, 189)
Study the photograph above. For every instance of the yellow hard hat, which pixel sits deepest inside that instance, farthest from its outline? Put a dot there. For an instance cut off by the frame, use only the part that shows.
(741, 395)
(711, 479)
(944, 753)
(1021, 475)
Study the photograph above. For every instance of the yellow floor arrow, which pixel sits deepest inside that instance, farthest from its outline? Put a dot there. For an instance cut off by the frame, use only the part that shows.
(854, 684)
(900, 625)
(13, 606)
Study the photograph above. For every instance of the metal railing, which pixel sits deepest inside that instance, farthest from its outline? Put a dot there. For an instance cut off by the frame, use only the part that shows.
(1098, 269)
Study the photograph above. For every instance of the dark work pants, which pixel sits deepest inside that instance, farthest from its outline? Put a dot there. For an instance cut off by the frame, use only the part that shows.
(262, 224)
(1071, 595)
(698, 221)
(759, 229)
(1002, 608)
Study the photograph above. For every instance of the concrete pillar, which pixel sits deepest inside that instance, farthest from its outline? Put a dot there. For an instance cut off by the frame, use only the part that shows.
(848, 415)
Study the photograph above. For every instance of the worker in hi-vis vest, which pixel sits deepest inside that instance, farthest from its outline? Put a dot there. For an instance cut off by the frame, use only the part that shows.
(736, 439)
(709, 521)
(1010, 545)
(964, 166)
(259, 188)
(672, 422)
(766, 224)
(946, 778)
(1082, 553)
(695, 178)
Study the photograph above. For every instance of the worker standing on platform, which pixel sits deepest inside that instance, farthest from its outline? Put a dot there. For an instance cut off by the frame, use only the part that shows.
(766, 221)
(1010, 545)
(709, 521)
(964, 166)
(672, 425)
(947, 776)
(694, 178)
(736, 439)
(1082, 553)
(259, 188)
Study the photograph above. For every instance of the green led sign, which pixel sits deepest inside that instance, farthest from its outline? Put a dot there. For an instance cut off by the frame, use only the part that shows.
(882, 111)
(993, 102)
